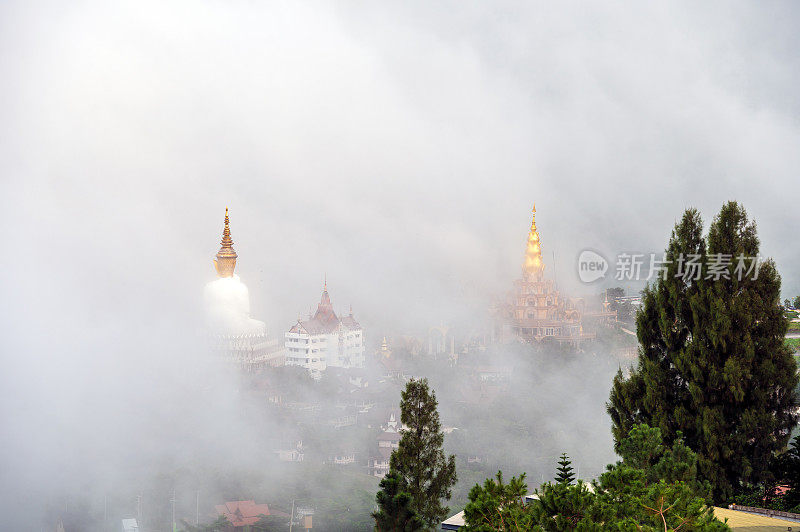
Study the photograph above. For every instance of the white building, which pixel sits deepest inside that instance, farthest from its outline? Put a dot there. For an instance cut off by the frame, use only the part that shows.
(388, 441)
(325, 340)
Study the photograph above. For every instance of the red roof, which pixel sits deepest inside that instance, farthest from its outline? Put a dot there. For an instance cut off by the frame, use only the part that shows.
(351, 323)
(325, 320)
(241, 513)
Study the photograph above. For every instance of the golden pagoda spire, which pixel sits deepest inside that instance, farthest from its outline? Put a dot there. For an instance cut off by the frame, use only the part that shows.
(533, 265)
(226, 256)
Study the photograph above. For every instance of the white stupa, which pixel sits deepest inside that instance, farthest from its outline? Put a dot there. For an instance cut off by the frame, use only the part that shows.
(227, 305)
(233, 333)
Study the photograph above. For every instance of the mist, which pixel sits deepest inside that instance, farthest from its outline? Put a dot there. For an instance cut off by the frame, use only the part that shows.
(395, 151)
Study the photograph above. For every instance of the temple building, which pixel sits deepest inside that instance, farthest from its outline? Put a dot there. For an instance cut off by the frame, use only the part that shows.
(325, 340)
(536, 309)
(231, 332)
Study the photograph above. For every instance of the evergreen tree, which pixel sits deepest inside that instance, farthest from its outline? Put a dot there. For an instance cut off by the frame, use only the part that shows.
(713, 367)
(394, 507)
(498, 506)
(653, 488)
(796, 302)
(565, 473)
(427, 474)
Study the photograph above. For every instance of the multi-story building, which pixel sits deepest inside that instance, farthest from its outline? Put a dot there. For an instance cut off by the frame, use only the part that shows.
(325, 340)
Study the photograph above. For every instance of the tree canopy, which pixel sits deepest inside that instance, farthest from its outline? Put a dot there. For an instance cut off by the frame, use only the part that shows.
(654, 487)
(419, 462)
(713, 367)
(394, 512)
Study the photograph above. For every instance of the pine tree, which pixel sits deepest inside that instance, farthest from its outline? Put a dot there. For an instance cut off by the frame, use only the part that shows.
(654, 487)
(565, 473)
(498, 506)
(420, 461)
(394, 507)
(712, 364)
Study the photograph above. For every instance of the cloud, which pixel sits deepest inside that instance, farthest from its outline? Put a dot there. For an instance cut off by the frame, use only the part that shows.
(396, 148)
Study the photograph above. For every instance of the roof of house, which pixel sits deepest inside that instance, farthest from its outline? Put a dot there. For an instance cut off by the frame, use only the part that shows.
(454, 522)
(747, 522)
(324, 320)
(350, 322)
(241, 513)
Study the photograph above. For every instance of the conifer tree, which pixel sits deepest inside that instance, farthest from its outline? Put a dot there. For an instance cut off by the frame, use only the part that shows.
(498, 506)
(565, 473)
(427, 474)
(394, 507)
(713, 367)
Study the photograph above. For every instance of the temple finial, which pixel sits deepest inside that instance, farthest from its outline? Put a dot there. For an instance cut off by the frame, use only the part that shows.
(325, 283)
(226, 256)
(533, 265)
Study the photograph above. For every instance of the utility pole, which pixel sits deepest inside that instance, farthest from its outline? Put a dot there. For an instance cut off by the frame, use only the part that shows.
(139, 511)
(291, 518)
(173, 510)
(197, 509)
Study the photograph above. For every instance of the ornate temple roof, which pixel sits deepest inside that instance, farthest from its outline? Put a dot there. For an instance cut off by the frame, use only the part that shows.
(533, 266)
(225, 262)
(325, 320)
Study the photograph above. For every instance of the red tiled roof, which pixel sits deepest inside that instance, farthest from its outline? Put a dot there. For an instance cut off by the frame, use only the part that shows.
(351, 323)
(325, 320)
(241, 513)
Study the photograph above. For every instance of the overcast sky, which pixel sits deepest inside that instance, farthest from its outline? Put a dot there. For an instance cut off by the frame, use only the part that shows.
(397, 149)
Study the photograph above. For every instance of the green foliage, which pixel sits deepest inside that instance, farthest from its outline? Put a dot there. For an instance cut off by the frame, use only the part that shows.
(219, 525)
(654, 487)
(615, 292)
(796, 303)
(394, 512)
(498, 506)
(786, 469)
(793, 344)
(644, 450)
(713, 367)
(563, 506)
(270, 523)
(565, 473)
(427, 474)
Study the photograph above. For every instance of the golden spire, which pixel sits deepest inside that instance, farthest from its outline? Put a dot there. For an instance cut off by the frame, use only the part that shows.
(533, 265)
(226, 256)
